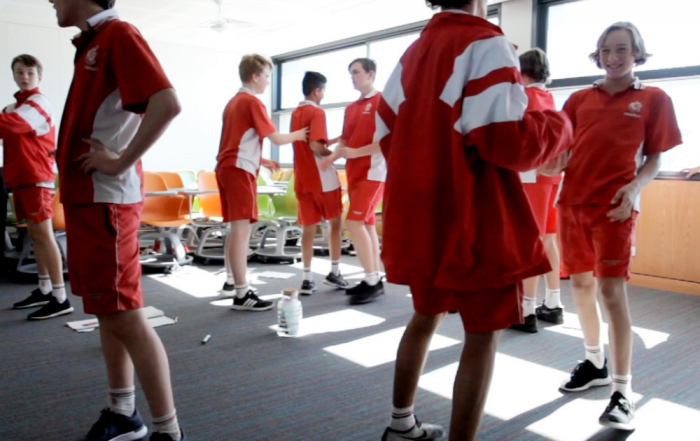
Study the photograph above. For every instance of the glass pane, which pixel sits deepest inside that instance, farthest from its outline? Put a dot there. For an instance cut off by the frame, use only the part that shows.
(387, 54)
(685, 95)
(334, 125)
(333, 65)
(495, 20)
(574, 29)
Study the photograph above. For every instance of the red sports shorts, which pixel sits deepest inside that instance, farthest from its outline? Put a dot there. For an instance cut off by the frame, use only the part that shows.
(35, 204)
(365, 197)
(481, 311)
(103, 256)
(238, 191)
(315, 207)
(542, 198)
(591, 242)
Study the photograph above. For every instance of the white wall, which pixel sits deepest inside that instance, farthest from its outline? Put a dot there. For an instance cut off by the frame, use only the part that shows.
(516, 22)
(205, 80)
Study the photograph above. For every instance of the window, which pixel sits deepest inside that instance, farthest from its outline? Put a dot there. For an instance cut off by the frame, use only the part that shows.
(672, 67)
(332, 60)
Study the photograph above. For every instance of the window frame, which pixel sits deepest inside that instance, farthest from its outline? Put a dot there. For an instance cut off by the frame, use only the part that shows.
(541, 28)
(362, 40)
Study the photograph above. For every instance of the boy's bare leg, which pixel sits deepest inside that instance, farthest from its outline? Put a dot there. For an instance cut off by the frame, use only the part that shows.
(127, 337)
(374, 240)
(46, 251)
(336, 238)
(553, 277)
(362, 241)
(613, 293)
(237, 250)
(584, 293)
(307, 244)
(410, 360)
(472, 384)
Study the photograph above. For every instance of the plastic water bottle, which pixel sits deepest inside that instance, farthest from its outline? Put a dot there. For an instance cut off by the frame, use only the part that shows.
(289, 313)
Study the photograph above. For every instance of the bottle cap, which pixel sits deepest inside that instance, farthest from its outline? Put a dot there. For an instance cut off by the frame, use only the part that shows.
(290, 292)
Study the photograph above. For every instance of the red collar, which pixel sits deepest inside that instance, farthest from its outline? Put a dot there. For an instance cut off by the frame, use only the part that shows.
(23, 95)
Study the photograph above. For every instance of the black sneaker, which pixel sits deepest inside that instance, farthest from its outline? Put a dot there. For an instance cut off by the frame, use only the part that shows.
(308, 287)
(619, 414)
(229, 290)
(359, 287)
(530, 325)
(35, 299)
(418, 432)
(157, 436)
(552, 315)
(251, 302)
(51, 310)
(586, 376)
(114, 426)
(365, 293)
(336, 281)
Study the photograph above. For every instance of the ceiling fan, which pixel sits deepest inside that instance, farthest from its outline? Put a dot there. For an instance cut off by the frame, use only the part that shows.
(223, 24)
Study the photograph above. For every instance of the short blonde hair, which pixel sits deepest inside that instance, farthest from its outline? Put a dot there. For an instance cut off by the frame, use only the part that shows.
(640, 49)
(251, 65)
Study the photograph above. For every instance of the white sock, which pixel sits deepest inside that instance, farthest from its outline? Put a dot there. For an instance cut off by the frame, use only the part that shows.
(595, 355)
(123, 401)
(622, 384)
(335, 267)
(229, 279)
(402, 419)
(307, 274)
(552, 298)
(529, 305)
(59, 291)
(45, 285)
(241, 290)
(372, 278)
(168, 425)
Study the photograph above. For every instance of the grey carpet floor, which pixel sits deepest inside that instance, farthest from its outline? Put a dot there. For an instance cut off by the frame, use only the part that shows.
(249, 384)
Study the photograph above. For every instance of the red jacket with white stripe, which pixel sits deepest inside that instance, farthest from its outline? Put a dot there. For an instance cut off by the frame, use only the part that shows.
(454, 130)
(29, 136)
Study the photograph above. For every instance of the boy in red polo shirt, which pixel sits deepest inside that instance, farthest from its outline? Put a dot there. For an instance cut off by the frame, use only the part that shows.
(28, 133)
(246, 124)
(542, 193)
(459, 229)
(119, 104)
(621, 127)
(318, 190)
(366, 171)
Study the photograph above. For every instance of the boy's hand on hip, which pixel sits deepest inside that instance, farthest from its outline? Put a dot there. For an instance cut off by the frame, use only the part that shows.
(101, 159)
(625, 197)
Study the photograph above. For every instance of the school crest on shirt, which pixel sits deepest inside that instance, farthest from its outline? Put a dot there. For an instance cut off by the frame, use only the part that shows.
(368, 108)
(91, 58)
(635, 109)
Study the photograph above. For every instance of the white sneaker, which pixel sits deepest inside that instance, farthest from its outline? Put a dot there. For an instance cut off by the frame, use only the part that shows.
(424, 432)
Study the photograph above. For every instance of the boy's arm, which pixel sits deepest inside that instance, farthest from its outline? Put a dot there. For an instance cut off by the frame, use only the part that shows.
(628, 195)
(162, 108)
(320, 148)
(367, 150)
(280, 139)
(30, 117)
(338, 153)
(691, 171)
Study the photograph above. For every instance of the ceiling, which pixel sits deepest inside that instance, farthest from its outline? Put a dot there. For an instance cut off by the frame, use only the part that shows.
(275, 26)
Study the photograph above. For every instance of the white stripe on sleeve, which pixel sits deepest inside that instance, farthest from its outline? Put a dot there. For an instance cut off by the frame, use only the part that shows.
(393, 91)
(36, 120)
(478, 60)
(500, 103)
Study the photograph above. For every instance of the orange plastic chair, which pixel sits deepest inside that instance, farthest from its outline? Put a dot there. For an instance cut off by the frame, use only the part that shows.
(172, 180)
(209, 204)
(163, 211)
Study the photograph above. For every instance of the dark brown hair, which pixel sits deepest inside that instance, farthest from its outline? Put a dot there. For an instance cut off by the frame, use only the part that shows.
(535, 65)
(640, 50)
(368, 65)
(28, 61)
(447, 3)
(105, 4)
(251, 65)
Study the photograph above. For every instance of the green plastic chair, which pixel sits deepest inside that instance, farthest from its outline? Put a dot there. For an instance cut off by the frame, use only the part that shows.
(286, 205)
(266, 208)
(189, 178)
